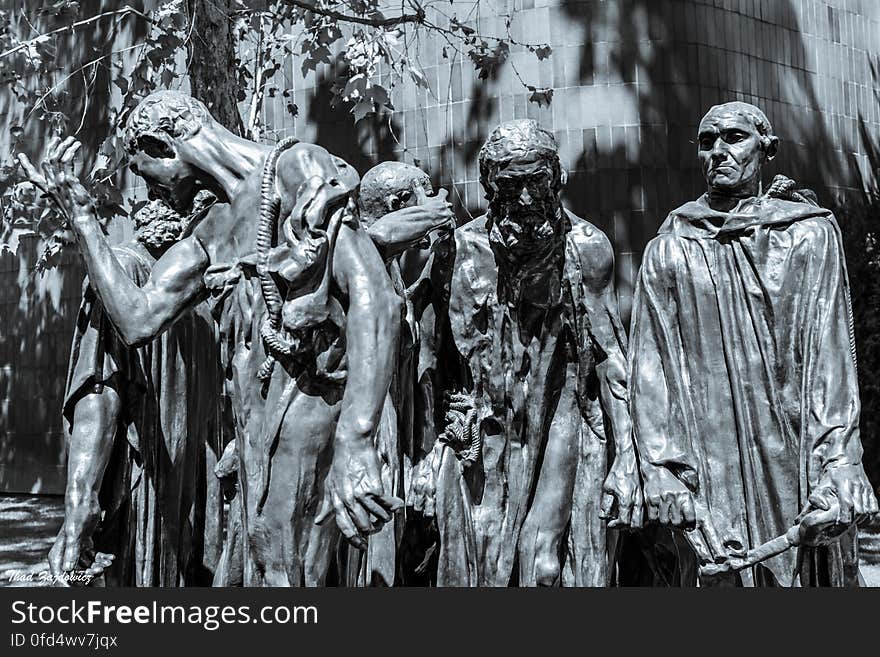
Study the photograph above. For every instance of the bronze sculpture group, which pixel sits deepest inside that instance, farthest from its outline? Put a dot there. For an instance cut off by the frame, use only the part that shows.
(411, 402)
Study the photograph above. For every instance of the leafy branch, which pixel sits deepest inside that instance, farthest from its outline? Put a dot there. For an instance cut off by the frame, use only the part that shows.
(376, 19)
(55, 62)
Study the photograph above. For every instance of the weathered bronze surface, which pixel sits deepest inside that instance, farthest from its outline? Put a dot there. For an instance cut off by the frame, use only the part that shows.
(402, 219)
(140, 421)
(375, 355)
(743, 382)
(539, 396)
(308, 321)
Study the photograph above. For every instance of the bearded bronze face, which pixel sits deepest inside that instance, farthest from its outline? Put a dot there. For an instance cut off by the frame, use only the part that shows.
(522, 176)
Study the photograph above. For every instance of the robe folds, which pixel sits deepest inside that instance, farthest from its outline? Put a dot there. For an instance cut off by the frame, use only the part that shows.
(153, 496)
(743, 373)
(539, 387)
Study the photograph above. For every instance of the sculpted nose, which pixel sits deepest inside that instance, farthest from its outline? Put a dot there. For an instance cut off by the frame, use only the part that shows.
(524, 197)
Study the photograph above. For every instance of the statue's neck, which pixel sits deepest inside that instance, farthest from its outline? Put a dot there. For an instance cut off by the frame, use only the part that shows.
(725, 201)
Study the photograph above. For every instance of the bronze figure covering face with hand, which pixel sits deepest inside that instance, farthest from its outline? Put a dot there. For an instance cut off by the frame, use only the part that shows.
(743, 384)
(305, 410)
(540, 376)
(401, 215)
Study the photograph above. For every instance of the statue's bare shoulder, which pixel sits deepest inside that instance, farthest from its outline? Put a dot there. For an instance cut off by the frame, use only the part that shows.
(220, 232)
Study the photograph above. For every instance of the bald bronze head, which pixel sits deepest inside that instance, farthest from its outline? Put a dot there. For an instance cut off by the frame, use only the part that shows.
(390, 186)
(735, 139)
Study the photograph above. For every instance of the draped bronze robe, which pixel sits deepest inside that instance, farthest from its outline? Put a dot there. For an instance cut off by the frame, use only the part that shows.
(533, 385)
(154, 489)
(742, 370)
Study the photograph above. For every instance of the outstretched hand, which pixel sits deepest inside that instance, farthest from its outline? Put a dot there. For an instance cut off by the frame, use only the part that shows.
(58, 180)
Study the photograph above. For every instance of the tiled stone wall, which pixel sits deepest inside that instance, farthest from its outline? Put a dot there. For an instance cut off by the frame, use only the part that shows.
(631, 80)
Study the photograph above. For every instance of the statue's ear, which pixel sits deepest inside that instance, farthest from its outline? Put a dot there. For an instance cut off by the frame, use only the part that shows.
(563, 177)
(393, 202)
(772, 148)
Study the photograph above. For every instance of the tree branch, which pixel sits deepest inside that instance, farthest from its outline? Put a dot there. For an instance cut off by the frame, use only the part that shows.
(312, 6)
(73, 26)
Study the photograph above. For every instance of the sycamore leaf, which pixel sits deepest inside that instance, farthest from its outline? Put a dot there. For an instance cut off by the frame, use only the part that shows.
(362, 109)
(542, 96)
(543, 52)
(378, 94)
(122, 83)
(356, 87)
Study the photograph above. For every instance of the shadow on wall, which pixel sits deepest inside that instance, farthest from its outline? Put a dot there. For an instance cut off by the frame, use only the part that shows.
(688, 65)
(363, 144)
(405, 135)
(860, 220)
(38, 311)
(38, 316)
(691, 64)
(460, 153)
(667, 61)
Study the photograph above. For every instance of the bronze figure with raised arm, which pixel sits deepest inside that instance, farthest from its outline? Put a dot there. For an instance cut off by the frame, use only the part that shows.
(139, 423)
(743, 387)
(307, 316)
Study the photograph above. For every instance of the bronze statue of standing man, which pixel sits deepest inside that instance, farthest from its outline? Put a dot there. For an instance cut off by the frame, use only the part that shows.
(308, 320)
(743, 384)
(540, 398)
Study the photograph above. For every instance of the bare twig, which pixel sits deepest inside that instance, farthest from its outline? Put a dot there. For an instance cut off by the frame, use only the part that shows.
(73, 26)
(80, 68)
(312, 6)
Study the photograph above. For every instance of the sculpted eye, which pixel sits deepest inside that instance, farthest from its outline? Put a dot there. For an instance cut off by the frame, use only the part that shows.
(734, 137)
(706, 143)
